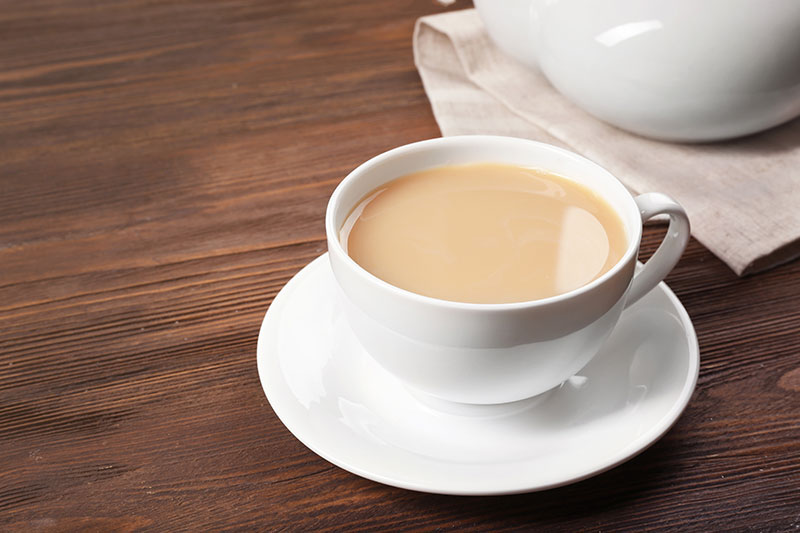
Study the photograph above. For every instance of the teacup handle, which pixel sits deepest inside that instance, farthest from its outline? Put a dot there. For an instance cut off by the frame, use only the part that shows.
(671, 248)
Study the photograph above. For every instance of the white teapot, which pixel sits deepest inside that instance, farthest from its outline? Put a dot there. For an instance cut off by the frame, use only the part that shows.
(679, 70)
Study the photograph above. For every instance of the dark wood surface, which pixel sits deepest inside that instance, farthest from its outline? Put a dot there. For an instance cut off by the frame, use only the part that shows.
(165, 169)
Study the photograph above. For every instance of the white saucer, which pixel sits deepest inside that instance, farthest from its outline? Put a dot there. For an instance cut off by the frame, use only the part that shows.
(343, 406)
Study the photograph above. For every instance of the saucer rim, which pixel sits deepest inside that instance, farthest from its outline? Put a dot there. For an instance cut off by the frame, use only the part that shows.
(640, 444)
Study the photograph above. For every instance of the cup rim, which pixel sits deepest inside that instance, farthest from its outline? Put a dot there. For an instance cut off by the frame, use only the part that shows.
(335, 246)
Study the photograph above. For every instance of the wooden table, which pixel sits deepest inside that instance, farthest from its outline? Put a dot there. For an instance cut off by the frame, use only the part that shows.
(165, 170)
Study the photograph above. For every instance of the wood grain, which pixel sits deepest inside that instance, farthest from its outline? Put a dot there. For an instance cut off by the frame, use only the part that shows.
(165, 171)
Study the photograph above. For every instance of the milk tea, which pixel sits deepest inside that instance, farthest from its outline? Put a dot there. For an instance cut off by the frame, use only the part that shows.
(484, 233)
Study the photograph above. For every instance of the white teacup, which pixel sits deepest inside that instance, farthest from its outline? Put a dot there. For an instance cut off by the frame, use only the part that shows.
(494, 353)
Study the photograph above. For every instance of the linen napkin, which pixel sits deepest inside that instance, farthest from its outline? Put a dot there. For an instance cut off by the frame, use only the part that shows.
(742, 196)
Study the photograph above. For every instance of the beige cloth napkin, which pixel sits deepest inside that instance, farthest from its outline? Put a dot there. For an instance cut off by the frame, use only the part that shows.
(743, 197)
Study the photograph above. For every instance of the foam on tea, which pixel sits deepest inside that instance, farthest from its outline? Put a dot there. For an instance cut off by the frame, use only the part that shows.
(484, 233)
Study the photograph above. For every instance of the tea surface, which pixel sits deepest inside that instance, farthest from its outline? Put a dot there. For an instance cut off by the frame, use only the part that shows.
(484, 233)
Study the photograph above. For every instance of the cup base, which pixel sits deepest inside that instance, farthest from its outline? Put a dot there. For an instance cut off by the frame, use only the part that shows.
(477, 410)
